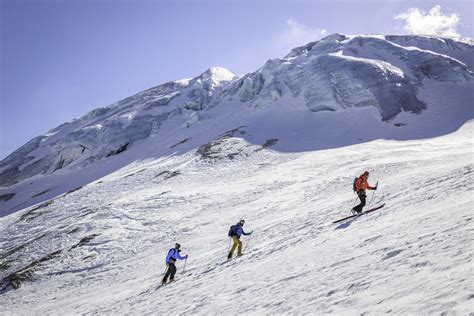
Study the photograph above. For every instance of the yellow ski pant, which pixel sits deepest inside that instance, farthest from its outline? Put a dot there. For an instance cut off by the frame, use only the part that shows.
(237, 243)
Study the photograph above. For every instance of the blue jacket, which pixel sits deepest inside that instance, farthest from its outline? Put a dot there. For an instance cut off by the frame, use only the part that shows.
(239, 231)
(173, 255)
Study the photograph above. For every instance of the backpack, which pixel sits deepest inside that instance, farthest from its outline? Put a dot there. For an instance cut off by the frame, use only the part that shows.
(172, 258)
(172, 250)
(232, 231)
(354, 184)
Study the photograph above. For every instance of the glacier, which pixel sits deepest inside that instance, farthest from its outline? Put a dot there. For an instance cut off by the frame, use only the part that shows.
(334, 74)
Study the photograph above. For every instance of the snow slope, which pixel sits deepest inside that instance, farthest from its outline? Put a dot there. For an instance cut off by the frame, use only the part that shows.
(339, 91)
(89, 210)
(101, 249)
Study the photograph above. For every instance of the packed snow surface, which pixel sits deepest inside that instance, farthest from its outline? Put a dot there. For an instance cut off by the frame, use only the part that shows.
(103, 246)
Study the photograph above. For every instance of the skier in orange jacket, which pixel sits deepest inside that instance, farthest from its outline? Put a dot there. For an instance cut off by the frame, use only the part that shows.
(362, 185)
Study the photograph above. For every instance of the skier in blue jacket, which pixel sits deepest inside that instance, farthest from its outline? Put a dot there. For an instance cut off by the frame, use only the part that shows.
(236, 231)
(173, 255)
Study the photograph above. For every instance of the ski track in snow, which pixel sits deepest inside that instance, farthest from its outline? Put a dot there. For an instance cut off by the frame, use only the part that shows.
(414, 256)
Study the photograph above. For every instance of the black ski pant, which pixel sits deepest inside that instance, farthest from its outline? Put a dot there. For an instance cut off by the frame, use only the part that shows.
(362, 197)
(170, 272)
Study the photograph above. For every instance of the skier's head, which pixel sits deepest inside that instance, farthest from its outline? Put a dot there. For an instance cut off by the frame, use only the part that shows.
(366, 174)
(242, 222)
(177, 246)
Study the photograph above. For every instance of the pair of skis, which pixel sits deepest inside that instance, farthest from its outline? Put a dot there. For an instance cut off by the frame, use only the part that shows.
(360, 214)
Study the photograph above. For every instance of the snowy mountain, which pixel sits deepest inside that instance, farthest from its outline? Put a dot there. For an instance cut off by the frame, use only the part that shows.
(325, 82)
(90, 209)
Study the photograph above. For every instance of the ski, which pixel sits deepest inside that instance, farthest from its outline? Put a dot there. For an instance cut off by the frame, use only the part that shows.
(164, 284)
(230, 260)
(373, 209)
(357, 215)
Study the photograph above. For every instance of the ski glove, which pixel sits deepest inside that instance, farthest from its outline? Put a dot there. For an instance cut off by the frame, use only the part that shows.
(375, 188)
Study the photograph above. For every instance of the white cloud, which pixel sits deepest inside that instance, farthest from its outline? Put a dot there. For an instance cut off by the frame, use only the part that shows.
(430, 23)
(297, 34)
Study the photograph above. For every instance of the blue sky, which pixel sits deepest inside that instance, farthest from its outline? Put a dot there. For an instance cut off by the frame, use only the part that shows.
(60, 59)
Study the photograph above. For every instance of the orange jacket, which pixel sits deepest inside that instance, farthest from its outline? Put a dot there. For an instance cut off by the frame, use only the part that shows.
(362, 184)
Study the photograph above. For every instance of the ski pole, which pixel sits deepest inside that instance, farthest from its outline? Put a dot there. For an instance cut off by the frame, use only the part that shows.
(228, 248)
(376, 185)
(355, 200)
(247, 244)
(185, 260)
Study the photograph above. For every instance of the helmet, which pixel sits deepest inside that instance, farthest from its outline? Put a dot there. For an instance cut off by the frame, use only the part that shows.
(177, 246)
(241, 222)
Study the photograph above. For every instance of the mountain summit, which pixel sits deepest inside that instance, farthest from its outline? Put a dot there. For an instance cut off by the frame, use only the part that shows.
(217, 74)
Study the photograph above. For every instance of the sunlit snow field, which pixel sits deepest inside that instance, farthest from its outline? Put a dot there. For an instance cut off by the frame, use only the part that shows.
(107, 241)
